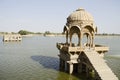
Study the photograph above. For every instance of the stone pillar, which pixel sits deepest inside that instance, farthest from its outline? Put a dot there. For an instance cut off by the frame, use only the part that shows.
(66, 66)
(87, 39)
(80, 41)
(70, 40)
(93, 39)
(87, 71)
(67, 37)
(70, 68)
(62, 65)
(79, 67)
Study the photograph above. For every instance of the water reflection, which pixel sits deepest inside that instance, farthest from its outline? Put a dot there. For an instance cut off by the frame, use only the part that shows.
(53, 63)
(47, 62)
(25, 60)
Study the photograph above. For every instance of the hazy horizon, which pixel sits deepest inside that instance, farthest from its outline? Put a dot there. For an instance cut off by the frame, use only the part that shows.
(41, 16)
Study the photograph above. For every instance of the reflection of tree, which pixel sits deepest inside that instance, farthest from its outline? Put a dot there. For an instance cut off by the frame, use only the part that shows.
(47, 33)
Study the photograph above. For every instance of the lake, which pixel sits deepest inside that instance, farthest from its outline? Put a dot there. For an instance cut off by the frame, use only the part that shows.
(36, 58)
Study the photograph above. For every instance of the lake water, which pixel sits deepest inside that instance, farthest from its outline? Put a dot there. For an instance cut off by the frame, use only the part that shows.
(35, 58)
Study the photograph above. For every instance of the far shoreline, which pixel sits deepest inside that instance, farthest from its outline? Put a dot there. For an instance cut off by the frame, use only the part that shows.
(60, 34)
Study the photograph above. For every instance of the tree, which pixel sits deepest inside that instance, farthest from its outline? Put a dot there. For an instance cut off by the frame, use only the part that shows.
(24, 32)
(47, 32)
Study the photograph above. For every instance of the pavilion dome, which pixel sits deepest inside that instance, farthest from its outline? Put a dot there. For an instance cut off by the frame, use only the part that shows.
(80, 15)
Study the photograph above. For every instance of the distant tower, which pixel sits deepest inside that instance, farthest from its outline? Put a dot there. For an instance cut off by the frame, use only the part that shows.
(85, 55)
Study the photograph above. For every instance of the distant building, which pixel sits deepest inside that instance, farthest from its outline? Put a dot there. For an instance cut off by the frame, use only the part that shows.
(12, 37)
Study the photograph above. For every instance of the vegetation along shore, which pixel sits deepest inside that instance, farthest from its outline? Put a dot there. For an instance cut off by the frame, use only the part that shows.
(48, 33)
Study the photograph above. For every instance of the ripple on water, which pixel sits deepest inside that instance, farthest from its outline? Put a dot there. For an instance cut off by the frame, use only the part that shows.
(113, 62)
(18, 67)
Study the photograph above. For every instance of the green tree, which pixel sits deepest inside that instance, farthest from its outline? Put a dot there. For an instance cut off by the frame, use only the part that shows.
(24, 32)
(47, 32)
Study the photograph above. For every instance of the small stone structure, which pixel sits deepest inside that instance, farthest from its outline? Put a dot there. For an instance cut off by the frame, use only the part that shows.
(12, 37)
(85, 55)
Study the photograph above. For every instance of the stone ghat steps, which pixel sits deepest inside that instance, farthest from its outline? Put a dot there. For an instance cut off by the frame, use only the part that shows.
(99, 64)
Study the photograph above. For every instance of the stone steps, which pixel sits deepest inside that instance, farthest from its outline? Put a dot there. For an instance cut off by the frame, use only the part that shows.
(100, 65)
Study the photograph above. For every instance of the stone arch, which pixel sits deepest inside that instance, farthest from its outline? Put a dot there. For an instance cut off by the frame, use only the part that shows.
(90, 28)
(66, 30)
(88, 39)
(89, 32)
(75, 30)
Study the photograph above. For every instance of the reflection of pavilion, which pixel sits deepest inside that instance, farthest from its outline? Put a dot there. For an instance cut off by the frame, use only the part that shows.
(82, 57)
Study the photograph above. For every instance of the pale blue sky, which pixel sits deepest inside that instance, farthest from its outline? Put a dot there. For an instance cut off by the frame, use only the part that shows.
(50, 15)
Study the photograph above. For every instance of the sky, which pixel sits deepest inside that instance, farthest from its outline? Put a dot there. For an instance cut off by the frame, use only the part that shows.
(50, 15)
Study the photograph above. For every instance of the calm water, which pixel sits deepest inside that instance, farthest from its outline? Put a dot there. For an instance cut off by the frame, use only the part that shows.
(35, 58)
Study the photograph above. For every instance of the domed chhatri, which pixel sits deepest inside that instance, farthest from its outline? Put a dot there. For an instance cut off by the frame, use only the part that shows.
(81, 18)
(82, 23)
(83, 55)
